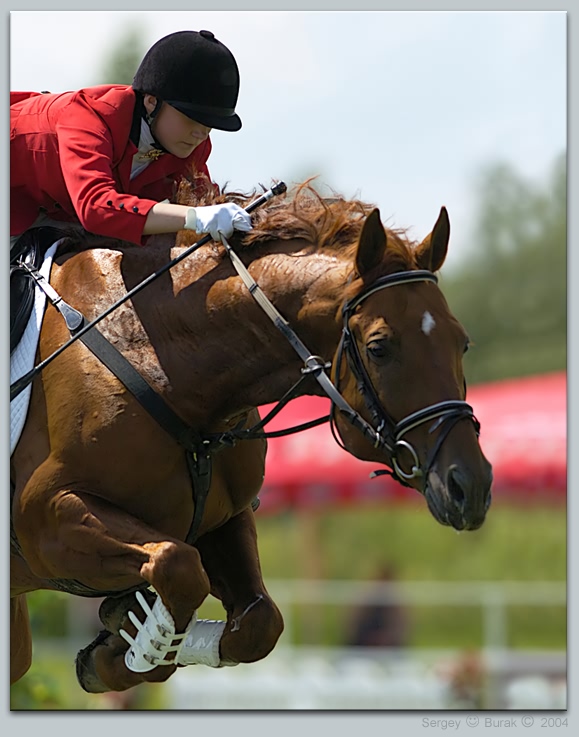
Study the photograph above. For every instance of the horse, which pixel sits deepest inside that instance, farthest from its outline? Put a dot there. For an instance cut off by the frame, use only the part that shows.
(102, 493)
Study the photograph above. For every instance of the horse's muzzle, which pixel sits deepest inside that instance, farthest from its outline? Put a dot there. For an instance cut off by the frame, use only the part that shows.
(459, 498)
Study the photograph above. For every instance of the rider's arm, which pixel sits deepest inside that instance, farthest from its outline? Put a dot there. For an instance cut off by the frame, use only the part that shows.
(86, 153)
(164, 217)
(86, 150)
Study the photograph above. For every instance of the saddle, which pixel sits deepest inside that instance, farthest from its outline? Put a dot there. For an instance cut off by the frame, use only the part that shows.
(30, 249)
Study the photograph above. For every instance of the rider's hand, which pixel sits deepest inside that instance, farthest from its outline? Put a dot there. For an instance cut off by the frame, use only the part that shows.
(216, 219)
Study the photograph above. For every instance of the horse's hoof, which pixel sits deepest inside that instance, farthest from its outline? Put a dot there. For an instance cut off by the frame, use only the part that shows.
(113, 610)
(85, 670)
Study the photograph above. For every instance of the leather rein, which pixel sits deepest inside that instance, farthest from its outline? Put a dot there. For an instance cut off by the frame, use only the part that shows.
(384, 432)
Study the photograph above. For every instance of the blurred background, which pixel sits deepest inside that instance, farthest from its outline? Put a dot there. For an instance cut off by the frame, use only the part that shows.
(384, 608)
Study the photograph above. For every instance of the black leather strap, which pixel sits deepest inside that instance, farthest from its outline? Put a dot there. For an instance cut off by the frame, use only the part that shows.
(141, 390)
(198, 458)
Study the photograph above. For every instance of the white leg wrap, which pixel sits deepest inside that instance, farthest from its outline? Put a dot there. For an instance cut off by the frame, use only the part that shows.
(202, 643)
(155, 638)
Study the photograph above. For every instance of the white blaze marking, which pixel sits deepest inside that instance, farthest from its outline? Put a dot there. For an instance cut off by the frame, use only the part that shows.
(428, 323)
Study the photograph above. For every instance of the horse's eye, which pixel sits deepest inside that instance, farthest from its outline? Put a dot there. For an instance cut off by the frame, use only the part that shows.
(466, 345)
(377, 349)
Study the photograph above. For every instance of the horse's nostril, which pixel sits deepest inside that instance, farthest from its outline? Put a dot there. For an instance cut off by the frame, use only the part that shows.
(454, 487)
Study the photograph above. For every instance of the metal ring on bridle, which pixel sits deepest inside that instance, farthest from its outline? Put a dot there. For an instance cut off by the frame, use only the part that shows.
(416, 470)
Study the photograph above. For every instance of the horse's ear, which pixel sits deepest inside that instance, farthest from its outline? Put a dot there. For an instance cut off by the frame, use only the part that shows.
(431, 253)
(371, 244)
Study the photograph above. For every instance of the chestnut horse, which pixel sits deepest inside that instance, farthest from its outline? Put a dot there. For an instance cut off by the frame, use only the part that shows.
(103, 500)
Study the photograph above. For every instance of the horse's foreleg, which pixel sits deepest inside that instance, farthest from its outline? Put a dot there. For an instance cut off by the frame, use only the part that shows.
(231, 559)
(85, 538)
(20, 638)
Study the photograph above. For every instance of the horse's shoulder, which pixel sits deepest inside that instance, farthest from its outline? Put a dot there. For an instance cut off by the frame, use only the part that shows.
(87, 274)
(87, 258)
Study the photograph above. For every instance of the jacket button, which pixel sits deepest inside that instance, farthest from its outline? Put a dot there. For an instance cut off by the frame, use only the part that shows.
(57, 206)
(135, 209)
(110, 203)
(122, 206)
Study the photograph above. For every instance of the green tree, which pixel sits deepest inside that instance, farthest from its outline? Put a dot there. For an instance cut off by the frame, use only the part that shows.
(511, 295)
(120, 64)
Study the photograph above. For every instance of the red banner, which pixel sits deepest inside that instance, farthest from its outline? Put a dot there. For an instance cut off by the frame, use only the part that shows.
(523, 434)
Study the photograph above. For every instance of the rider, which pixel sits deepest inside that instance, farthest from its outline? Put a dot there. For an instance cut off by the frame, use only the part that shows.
(109, 157)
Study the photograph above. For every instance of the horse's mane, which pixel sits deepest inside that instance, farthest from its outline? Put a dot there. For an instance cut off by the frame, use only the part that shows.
(329, 223)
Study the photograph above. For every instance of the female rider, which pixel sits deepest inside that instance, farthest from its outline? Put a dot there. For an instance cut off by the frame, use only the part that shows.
(106, 157)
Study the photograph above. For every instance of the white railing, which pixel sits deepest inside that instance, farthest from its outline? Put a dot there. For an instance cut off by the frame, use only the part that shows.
(493, 597)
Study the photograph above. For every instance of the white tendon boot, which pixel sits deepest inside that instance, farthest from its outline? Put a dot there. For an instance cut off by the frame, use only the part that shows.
(156, 638)
(202, 643)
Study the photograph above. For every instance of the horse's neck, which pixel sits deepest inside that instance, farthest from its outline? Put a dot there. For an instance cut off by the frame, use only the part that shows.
(238, 358)
(198, 336)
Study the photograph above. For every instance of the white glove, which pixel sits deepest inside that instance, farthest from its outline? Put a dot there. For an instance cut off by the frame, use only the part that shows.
(216, 219)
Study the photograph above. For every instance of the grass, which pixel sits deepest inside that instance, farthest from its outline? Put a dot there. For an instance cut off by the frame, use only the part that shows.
(523, 544)
(51, 685)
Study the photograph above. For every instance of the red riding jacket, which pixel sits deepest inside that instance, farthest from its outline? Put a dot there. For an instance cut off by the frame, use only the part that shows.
(70, 154)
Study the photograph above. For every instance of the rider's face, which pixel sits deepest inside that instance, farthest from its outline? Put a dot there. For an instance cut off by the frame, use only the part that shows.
(175, 131)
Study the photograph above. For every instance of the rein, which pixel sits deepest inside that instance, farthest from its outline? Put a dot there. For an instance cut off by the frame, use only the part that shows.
(385, 433)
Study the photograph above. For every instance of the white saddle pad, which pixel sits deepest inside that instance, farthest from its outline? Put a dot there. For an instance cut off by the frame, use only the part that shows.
(22, 360)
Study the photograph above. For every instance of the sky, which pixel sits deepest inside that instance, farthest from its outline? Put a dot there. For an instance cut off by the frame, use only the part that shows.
(402, 109)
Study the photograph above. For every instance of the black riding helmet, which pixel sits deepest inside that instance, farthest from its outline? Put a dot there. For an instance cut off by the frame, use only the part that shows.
(194, 73)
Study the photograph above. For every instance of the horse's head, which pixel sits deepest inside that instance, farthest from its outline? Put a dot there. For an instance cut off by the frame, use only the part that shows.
(399, 365)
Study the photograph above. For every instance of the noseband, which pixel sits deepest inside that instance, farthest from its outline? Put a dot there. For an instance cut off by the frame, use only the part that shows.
(390, 434)
(384, 433)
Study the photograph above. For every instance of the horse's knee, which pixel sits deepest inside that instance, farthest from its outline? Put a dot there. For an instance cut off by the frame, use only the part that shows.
(252, 637)
(271, 630)
(179, 563)
(177, 574)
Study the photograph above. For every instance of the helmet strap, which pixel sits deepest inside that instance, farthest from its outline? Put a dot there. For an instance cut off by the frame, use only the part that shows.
(150, 119)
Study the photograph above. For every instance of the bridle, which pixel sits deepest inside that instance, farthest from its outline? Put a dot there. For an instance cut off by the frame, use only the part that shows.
(389, 435)
(384, 432)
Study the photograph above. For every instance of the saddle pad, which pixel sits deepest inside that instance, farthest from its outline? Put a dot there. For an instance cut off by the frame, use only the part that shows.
(22, 359)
